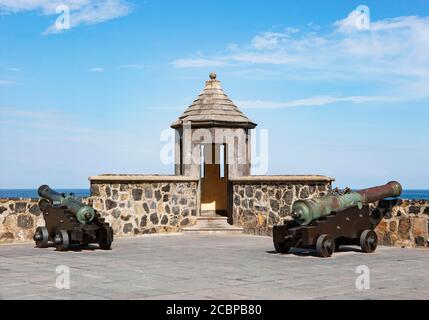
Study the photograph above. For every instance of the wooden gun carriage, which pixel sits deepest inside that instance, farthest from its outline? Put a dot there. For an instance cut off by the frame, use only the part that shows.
(350, 226)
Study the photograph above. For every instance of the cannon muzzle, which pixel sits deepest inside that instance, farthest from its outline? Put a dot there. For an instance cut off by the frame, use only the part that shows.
(305, 211)
(391, 189)
(46, 192)
(84, 214)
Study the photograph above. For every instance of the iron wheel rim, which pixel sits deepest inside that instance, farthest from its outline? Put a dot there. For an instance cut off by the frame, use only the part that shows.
(325, 245)
(368, 241)
(63, 243)
(41, 237)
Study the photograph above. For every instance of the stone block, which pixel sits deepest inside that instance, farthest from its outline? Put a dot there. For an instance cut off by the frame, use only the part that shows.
(35, 210)
(154, 218)
(143, 221)
(137, 194)
(421, 241)
(414, 209)
(148, 192)
(110, 204)
(249, 191)
(128, 227)
(420, 226)
(164, 220)
(304, 193)
(95, 190)
(392, 226)
(404, 228)
(20, 207)
(25, 221)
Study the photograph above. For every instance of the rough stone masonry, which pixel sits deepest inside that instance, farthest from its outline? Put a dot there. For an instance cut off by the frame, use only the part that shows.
(147, 206)
(153, 207)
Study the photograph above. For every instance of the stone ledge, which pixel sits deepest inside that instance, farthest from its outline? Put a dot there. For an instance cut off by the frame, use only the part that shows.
(140, 177)
(283, 178)
(6, 199)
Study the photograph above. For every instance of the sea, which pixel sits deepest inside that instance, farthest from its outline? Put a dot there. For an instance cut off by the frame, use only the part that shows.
(32, 193)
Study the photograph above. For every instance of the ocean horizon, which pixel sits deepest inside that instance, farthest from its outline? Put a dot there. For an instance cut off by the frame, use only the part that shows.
(411, 194)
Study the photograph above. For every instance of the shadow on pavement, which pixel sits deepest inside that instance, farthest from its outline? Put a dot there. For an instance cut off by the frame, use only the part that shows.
(312, 253)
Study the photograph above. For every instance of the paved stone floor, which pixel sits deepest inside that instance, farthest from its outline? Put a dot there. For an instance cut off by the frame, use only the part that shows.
(209, 267)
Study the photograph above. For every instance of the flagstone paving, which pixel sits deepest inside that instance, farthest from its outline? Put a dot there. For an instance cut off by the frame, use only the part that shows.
(182, 266)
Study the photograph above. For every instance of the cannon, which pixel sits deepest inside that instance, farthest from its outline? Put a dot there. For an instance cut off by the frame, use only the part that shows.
(305, 211)
(328, 222)
(68, 221)
(83, 213)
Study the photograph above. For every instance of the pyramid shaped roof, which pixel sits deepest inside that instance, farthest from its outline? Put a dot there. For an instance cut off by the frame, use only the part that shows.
(213, 108)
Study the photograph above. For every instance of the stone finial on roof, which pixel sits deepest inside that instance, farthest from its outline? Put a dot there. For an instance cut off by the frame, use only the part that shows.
(213, 108)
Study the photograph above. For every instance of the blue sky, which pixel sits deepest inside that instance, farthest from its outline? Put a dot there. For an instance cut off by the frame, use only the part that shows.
(337, 100)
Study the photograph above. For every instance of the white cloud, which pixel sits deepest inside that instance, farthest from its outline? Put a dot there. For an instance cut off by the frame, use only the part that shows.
(4, 82)
(267, 40)
(13, 69)
(271, 40)
(311, 102)
(351, 23)
(96, 69)
(278, 57)
(391, 55)
(131, 66)
(82, 12)
(45, 118)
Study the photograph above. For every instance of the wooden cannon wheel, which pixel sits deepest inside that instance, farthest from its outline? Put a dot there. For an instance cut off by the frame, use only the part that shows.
(41, 237)
(325, 245)
(368, 241)
(62, 240)
(281, 247)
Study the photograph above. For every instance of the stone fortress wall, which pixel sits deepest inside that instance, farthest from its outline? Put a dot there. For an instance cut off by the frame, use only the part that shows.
(155, 204)
(19, 218)
(406, 226)
(146, 204)
(259, 202)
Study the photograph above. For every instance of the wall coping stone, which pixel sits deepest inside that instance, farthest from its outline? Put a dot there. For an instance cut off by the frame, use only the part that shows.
(5, 199)
(140, 177)
(283, 178)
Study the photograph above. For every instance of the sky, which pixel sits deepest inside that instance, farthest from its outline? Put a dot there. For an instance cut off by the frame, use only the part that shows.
(342, 92)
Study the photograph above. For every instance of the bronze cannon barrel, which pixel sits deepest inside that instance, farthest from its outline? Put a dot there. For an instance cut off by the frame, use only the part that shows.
(390, 189)
(84, 214)
(46, 192)
(306, 211)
